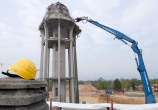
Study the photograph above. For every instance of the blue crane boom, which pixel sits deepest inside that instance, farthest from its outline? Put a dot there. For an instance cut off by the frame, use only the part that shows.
(149, 97)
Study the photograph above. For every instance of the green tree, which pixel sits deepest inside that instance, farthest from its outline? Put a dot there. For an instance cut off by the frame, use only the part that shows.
(109, 85)
(154, 81)
(125, 84)
(100, 83)
(134, 83)
(117, 85)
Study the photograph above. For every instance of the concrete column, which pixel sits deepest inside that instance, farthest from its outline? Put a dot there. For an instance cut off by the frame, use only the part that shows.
(69, 70)
(42, 57)
(71, 55)
(48, 58)
(59, 44)
(62, 73)
(74, 94)
(45, 69)
(76, 74)
(55, 61)
(55, 73)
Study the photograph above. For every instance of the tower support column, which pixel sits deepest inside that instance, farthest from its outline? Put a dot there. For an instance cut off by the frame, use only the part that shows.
(73, 69)
(42, 57)
(76, 75)
(45, 69)
(59, 70)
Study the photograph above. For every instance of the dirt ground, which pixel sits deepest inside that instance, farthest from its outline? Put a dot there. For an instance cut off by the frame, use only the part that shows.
(91, 95)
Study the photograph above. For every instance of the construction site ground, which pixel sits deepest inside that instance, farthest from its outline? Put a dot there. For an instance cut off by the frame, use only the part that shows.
(89, 94)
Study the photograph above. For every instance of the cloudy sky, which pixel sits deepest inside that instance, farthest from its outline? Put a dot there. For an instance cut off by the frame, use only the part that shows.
(99, 55)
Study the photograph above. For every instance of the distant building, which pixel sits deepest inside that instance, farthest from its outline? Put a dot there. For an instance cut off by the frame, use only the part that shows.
(154, 87)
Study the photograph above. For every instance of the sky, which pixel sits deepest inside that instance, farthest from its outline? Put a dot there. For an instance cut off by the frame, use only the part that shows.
(98, 54)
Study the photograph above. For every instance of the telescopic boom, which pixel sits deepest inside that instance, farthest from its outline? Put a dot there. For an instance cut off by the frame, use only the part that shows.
(149, 97)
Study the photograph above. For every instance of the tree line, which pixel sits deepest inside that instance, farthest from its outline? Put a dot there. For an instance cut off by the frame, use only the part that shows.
(118, 84)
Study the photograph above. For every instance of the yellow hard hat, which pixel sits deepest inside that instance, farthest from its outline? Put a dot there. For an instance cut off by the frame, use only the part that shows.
(23, 68)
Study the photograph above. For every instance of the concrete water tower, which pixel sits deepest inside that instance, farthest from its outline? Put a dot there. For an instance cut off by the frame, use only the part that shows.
(58, 35)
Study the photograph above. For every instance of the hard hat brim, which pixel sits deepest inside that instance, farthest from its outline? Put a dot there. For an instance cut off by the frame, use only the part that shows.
(9, 74)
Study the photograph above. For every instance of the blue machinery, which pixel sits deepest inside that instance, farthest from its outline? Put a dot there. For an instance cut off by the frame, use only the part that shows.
(149, 97)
